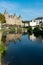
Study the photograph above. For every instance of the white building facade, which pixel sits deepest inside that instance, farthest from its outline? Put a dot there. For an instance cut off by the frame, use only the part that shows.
(35, 22)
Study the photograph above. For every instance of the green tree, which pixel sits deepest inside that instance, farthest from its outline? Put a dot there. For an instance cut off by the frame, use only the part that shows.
(29, 30)
(36, 29)
(19, 30)
(12, 29)
(2, 18)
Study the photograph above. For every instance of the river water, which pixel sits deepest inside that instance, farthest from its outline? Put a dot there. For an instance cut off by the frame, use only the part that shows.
(22, 49)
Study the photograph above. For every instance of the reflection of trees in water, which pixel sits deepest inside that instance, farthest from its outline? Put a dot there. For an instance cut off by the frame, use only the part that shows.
(7, 39)
(5, 63)
(35, 37)
(2, 47)
(3, 38)
(2, 52)
(18, 37)
(0, 58)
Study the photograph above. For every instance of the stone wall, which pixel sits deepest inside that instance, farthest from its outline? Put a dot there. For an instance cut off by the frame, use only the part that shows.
(13, 19)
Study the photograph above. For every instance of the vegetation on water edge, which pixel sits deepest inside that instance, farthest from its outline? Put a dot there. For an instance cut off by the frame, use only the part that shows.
(2, 48)
(12, 29)
(29, 30)
(36, 31)
(19, 30)
(2, 18)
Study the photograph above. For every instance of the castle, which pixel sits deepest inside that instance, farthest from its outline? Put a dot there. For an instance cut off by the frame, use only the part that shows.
(13, 19)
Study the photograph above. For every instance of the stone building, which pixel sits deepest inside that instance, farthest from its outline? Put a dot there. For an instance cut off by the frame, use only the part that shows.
(13, 19)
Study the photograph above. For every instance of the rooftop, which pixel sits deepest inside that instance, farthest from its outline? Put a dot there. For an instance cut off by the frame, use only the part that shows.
(38, 18)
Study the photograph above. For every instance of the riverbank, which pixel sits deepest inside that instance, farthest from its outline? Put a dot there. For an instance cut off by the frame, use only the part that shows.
(36, 31)
(2, 47)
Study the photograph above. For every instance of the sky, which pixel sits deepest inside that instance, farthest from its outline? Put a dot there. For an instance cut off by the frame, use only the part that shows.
(28, 9)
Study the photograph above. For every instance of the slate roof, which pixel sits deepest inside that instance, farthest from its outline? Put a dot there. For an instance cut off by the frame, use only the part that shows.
(38, 18)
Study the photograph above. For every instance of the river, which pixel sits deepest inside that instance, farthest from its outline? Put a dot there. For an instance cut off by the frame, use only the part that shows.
(22, 49)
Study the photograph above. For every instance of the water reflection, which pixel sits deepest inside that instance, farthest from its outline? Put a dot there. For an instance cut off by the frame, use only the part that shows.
(34, 38)
(18, 36)
(0, 45)
(0, 35)
(0, 58)
(11, 38)
(23, 52)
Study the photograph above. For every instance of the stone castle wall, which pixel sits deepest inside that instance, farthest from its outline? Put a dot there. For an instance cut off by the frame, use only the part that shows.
(13, 19)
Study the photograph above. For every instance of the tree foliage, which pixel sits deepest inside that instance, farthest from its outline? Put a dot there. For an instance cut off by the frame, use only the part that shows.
(29, 30)
(12, 29)
(2, 18)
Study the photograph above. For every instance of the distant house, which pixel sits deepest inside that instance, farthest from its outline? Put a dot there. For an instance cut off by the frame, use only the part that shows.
(37, 21)
(25, 23)
(42, 25)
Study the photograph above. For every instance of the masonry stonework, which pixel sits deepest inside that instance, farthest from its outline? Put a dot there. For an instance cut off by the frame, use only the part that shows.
(13, 19)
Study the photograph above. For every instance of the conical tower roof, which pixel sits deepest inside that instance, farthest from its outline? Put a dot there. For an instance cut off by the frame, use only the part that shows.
(6, 12)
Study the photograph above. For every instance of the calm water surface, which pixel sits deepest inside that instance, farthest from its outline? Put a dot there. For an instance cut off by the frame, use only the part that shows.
(23, 50)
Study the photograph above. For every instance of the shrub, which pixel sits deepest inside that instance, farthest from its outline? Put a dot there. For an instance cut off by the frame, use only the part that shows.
(29, 29)
(37, 31)
(19, 30)
(2, 48)
(12, 29)
(2, 18)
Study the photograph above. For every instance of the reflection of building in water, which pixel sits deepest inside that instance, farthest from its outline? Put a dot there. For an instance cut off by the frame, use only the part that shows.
(34, 38)
(12, 37)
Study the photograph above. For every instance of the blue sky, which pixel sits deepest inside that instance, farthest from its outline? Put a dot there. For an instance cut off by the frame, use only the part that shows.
(28, 9)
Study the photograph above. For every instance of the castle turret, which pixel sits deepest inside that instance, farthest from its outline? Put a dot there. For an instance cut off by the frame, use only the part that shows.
(15, 17)
(20, 17)
(6, 14)
(19, 20)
